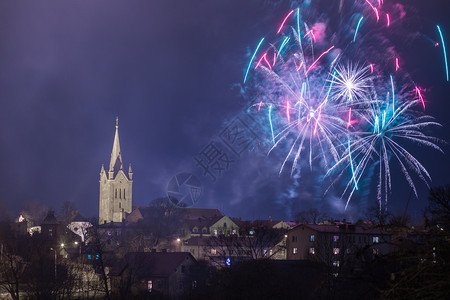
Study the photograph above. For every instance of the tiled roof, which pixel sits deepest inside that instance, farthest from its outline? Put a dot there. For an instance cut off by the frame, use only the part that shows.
(344, 228)
(151, 264)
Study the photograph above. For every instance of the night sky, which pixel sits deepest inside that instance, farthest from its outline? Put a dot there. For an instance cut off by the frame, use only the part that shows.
(172, 71)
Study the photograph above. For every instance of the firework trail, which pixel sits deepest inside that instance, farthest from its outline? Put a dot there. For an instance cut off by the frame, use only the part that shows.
(334, 93)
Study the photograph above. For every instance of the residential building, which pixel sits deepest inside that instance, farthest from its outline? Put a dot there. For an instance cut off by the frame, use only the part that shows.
(159, 274)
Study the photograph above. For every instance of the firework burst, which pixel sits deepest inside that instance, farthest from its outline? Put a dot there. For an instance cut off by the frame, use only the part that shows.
(334, 98)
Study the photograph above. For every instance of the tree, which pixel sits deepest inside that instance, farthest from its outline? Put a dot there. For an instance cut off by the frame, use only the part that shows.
(438, 210)
(311, 215)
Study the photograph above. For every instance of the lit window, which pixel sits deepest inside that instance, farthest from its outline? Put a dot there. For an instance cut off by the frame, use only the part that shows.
(150, 286)
(213, 251)
(215, 231)
(294, 238)
(375, 239)
(251, 232)
(89, 256)
(312, 238)
(336, 263)
(312, 251)
(271, 252)
(376, 251)
(336, 251)
(234, 231)
(335, 238)
(294, 250)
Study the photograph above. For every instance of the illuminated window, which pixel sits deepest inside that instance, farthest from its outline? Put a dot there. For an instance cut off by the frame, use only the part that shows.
(234, 231)
(375, 251)
(375, 239)
(336, 263)
(150, 286)
(335, 238)
(312, 238)
(213, 251)
(271, 252)
(312, 251)
(294, 250)
(89, 256)
(215, 231)
(294, 238)
(336, 251)
(251, 232)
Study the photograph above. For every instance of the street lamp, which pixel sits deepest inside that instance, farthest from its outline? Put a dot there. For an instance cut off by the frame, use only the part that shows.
(55, 260)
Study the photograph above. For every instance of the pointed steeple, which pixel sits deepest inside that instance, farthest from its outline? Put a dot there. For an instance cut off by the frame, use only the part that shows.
(116, 156)
(130, 172)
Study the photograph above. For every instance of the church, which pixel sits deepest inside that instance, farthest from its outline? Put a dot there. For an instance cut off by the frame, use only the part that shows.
(115, 187)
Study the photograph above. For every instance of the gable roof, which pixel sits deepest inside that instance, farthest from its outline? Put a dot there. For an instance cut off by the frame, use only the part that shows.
(344, 228)
(151, 264)
(206, 213)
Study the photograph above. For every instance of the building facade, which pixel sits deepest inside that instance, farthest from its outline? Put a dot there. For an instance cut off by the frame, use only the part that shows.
(115, 187)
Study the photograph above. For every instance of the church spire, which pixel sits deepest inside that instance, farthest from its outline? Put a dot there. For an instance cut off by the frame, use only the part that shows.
(116, 156)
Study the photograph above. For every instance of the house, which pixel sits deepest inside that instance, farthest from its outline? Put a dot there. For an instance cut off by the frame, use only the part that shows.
(336, 243)
(164, 274)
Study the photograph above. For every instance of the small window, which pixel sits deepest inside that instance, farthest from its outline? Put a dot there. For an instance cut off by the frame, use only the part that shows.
(195, 230)
(336, 263)
(335, 251)
(335, 238)
(294, 238)
(183, 269)
(224, 224)
(205, 230)
(120, 205)
(312, 238)
(312, 251)
(234, 231)
(215, 232)
(115, 194)
(294, 250)
(89, 256)
(375, 251)
(124, 194)
(213, 251)
(270, 252)
(149, 286)
(120, 193)
(375, 240)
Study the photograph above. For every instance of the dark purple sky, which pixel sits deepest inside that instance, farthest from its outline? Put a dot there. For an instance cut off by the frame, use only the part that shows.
(170, 70)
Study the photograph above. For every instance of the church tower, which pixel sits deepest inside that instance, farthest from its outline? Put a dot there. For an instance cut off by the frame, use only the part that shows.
(115, 187)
